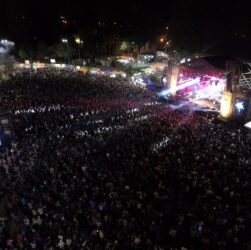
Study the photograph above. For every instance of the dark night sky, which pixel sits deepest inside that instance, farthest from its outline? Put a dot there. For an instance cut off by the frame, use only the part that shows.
(23, 19)
(41, 18)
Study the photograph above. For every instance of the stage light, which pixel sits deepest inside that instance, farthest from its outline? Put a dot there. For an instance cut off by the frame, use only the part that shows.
(239, 106)
(225, 109)
(184, 84)
(173, 85)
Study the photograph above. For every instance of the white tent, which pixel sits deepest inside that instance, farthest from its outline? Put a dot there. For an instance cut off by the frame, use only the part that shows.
(248, 125)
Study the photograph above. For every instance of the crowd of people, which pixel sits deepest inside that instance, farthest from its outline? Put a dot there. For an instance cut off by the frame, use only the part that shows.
(99, 163)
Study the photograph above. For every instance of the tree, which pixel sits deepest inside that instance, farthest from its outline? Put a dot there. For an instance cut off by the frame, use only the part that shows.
(26, 52)
(89, 35)
(62, 51)
(41, 51)
(125, 46)
(22, 53)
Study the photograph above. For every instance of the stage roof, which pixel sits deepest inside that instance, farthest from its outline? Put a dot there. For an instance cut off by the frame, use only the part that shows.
(209, 65)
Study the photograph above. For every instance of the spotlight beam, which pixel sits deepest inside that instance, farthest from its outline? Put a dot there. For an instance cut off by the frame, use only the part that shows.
(181, 86)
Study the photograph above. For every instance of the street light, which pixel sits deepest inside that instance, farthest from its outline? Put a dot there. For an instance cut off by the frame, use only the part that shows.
(65, 41)
(77, 40)
(80, 44)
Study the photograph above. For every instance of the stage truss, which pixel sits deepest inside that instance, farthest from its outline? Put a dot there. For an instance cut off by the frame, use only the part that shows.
(245, 79)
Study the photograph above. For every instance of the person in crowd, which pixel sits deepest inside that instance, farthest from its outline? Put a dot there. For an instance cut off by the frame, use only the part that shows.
(99, 163)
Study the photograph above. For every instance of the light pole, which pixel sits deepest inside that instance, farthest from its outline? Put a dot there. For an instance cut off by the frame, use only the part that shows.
(157, 42)
(132, 50)
(65, 41)
(162, 41)
(80, 44)
(167, 45)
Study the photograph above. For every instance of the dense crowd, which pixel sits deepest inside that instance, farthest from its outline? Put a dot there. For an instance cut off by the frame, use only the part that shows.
(99, 163)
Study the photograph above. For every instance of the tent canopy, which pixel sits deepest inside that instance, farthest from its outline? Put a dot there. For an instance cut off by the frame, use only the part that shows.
(248, 125)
